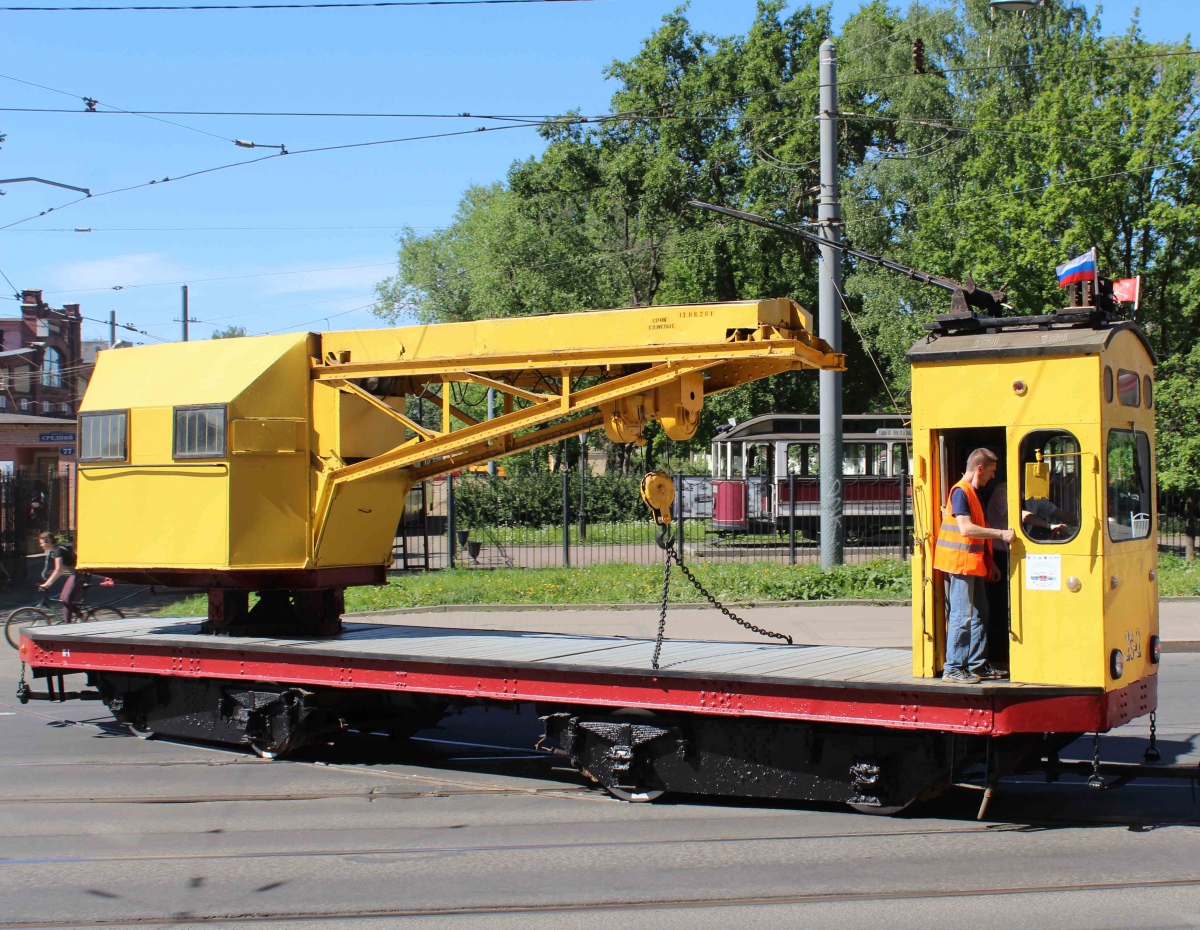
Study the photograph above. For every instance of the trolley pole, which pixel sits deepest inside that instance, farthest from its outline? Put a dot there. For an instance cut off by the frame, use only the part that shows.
(829, 218)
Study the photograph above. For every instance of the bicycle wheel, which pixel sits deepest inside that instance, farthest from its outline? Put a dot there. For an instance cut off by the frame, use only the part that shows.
(22, 618)
(102, 613)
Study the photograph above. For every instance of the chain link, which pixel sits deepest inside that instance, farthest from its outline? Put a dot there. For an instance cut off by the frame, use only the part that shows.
(668, 546)
(23, 686)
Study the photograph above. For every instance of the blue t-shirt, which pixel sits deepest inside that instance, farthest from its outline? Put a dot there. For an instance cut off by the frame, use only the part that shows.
(959, 506)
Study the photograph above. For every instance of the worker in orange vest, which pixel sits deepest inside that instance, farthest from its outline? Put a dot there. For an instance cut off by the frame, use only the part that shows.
(964, 554)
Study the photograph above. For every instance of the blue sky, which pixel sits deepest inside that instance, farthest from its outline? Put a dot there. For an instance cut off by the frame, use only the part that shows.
(296, 242)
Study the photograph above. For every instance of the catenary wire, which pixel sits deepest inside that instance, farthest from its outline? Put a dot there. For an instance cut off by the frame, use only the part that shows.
(251, 161)
(113, 108)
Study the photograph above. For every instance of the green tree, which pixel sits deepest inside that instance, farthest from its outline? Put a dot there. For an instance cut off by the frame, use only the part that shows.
(229, 332)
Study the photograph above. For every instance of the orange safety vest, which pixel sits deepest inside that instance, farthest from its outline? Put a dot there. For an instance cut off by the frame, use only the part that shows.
(959, 554)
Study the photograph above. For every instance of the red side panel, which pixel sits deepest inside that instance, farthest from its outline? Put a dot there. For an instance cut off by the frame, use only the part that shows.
(948, 711)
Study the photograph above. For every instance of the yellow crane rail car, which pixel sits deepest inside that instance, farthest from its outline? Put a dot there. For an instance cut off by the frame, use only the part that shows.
(280, 465)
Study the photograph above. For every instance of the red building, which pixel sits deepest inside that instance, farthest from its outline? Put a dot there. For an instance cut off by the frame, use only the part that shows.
(42, 379)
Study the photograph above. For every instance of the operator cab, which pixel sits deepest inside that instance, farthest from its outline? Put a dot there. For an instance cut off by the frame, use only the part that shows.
(1065, 401)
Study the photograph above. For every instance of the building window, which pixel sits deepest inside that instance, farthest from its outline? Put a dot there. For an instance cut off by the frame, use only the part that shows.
(24, 405)
(1130, 505)
(52, 368)
(1050, 486)
(3, 402)
(43, 328)
(103, 436)
(199, 432)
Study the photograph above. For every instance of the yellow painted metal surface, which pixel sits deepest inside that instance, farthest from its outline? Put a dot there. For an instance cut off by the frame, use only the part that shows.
(318, 455)
(1059, 636)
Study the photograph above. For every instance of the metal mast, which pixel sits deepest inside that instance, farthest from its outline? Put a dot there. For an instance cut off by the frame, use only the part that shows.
(829, 219)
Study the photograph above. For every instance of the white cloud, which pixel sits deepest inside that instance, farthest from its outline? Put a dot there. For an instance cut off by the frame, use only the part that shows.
(118, 271)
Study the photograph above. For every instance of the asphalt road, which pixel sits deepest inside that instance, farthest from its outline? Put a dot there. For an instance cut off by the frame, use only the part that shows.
(466, 828)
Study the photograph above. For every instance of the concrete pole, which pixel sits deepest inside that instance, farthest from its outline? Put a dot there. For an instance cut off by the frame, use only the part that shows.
(183, 296)
(112, 328)
(829, 217)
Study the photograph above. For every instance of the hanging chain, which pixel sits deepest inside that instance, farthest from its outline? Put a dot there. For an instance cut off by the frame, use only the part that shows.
(1152, 754)
(1096, 780)
(667, 543)
(662, 615)
(23, 686)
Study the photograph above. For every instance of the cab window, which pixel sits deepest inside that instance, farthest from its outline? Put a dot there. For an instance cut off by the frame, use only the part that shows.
(1050, 487)
(1129, 388)
(1130, 506)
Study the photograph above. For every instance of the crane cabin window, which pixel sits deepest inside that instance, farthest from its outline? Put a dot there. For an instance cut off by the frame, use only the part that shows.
(200, 432)
(1050, 487)
(103, 436)
(1130, 506)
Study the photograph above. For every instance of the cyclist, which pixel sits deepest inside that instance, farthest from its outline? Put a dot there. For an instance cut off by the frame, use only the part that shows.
(59, 563)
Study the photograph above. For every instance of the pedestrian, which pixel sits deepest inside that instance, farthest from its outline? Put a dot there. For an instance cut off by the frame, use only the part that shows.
(964, 554)
(59, 563)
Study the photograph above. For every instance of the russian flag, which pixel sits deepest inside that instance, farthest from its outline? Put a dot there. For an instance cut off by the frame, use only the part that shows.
(1082, 268)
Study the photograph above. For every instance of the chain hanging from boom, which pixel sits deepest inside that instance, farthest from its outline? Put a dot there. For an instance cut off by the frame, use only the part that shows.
(658, 491)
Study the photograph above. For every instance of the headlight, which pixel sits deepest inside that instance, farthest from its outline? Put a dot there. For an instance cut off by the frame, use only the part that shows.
(1116, 664)
(1155, 649)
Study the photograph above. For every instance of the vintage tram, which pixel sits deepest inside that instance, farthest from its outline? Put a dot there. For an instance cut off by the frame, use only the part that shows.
(766, 476)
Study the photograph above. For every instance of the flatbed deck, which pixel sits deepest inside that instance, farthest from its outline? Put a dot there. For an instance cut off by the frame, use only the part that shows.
(856, 685)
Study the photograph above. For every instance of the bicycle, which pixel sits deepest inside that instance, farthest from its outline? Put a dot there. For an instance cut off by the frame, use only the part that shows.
(41, 614)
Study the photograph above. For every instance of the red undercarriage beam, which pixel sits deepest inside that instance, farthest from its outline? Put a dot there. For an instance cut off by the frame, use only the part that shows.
(995, 715)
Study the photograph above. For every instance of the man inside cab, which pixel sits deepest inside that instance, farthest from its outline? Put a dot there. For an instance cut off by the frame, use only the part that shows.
(964, 554)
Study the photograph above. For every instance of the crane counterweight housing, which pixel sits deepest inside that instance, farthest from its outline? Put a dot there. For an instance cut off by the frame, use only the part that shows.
(282, 463)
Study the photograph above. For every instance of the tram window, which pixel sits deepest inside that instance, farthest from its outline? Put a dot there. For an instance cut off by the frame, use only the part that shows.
(804, 459)
(759, 459)
(1148, 391)
(735, 460)
(864, 458)
(1108, 384)
(1129, 388)
(1130, 505)
(1050, 489)
(901, 459)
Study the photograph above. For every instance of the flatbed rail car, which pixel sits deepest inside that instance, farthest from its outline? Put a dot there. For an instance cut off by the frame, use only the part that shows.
(279, 465)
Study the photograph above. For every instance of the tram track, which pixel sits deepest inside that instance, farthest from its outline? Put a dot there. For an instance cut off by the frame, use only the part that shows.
(661, 904)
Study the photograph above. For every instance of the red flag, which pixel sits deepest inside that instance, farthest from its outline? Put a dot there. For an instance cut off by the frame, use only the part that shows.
(1128, 290)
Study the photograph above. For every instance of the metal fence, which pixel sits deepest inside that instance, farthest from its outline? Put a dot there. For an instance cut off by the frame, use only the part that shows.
(540, 520)
(1178, 523)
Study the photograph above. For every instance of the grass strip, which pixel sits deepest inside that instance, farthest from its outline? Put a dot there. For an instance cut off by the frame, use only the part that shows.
(622, 583)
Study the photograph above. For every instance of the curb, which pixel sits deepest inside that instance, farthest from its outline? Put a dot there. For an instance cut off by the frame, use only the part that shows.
(675, 605)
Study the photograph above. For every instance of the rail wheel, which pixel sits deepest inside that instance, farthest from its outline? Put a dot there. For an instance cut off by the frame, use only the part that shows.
(23, 618)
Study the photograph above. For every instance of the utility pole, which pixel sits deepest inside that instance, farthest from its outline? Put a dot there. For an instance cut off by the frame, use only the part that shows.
(829, 219)
(112, 328)
(184, 315)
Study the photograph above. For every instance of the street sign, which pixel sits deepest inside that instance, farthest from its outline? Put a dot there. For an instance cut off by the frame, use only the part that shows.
(56, 437)
(67, 450)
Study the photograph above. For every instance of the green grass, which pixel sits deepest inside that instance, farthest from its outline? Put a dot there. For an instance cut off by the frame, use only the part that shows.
(608, 534)
(1178, 578)
(736, 582)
